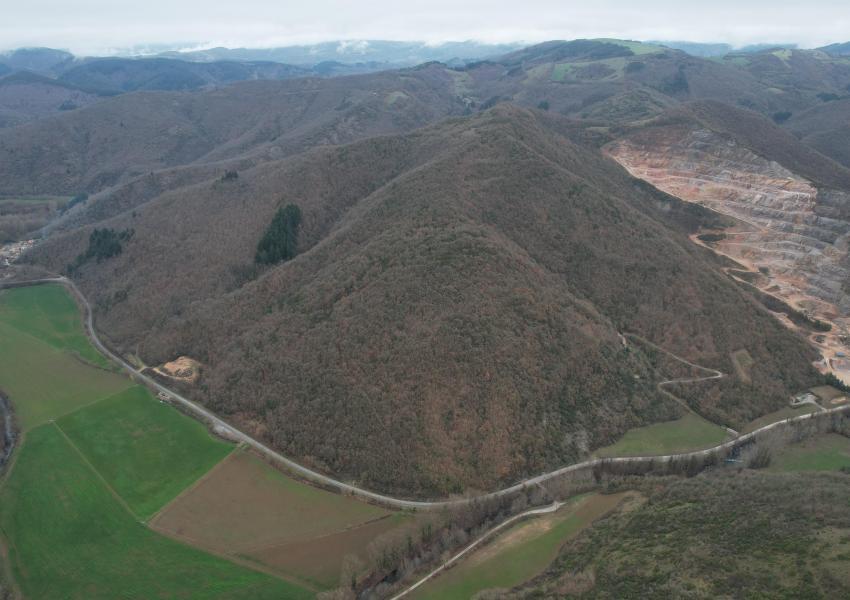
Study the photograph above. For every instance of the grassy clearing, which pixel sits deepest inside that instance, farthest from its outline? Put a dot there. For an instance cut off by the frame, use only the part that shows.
(146, 450)
(636, 47)
(48, 312)
(828, 452)
(742, 362)
(682, 435)
(827, 393)
(44, 383)
(520, 553)
(70, 538)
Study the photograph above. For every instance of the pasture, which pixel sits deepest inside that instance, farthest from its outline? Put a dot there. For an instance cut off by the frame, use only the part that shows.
(690, 432)
(147, 451)
(47, 312)
(44, 383)
(520, 553)
(69, 537)
(827, 452)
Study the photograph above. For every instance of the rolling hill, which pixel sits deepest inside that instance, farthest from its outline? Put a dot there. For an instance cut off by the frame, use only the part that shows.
(136, 134)
(26, 96)
(826, 128)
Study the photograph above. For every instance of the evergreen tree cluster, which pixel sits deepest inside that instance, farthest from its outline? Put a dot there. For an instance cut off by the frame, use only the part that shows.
(280, 241)
(103, 243)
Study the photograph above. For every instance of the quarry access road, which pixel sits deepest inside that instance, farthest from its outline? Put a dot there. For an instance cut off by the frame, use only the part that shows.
(223, 428)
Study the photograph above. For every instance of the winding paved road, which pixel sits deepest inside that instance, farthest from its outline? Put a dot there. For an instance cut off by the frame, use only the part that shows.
(225, 428)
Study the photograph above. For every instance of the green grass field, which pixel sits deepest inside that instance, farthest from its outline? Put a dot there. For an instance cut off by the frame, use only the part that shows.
(48, 312)
(828, 452)
(147, 451)
(518, 554)
(682, 435)
(70, 538)
(45, 383)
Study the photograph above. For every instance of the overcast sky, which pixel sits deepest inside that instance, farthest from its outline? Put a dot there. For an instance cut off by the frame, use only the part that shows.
(103, 26)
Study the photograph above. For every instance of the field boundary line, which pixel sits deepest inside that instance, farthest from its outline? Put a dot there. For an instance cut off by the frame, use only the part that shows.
(83, 406)
(234, 558)
(192, 486)
(279, 544)
(96, 472)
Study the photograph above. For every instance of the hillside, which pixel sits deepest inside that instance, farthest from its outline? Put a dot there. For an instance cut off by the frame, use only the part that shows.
(460, 288)
(825, 128)
(800, 78)
(842, 49)
(727, 535)
(25, 96)
(613, 80)
(136, 134)
(119, 75)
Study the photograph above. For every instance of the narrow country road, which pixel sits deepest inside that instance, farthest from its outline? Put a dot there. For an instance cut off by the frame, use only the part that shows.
(713, 374)
(225, 428)
(529, 513)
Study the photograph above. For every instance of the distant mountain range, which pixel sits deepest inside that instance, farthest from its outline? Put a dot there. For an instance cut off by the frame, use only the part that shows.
(354, 52)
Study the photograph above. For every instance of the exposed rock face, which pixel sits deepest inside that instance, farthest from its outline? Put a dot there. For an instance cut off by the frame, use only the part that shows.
(796, 234)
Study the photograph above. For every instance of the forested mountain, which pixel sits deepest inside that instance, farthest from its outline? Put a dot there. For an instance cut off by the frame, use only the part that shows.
(503, 252)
